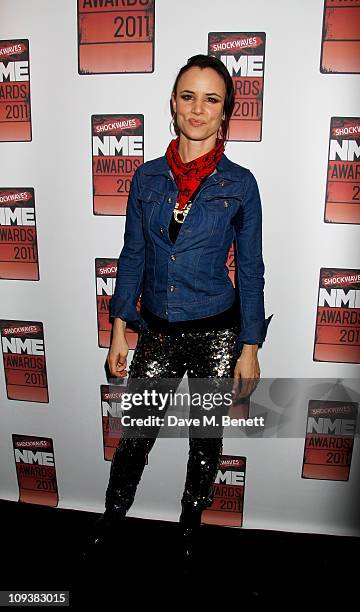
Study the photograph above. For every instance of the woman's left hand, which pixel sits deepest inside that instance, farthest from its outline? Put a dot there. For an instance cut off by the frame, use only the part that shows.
(246, 372)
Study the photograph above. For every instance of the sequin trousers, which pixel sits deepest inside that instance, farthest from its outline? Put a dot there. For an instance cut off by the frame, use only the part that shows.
(167, 356)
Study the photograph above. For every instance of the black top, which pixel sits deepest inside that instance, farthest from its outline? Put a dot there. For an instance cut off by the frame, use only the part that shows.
(222, 320)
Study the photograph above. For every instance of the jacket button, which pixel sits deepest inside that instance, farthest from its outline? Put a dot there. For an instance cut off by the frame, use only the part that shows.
(172, 287)
(166, 312)
(222, 183)
(161, 230)
(170, 200)
(226, 203)
(173, 257)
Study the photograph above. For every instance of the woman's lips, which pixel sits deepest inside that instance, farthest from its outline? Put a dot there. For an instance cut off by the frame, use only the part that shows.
(195, 123)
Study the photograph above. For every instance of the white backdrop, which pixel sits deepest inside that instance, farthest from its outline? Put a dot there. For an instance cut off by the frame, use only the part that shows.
(290, 165)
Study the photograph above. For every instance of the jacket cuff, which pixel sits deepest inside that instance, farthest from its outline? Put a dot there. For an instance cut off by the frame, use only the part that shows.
(129, 314)
(252, 334)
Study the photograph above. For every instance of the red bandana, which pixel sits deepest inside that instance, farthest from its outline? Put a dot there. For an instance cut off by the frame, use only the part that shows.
(188, 176)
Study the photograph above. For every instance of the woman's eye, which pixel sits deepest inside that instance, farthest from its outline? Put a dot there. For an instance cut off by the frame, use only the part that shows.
(188, 96)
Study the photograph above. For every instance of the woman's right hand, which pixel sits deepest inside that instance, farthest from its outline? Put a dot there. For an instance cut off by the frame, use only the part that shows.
(117, 358)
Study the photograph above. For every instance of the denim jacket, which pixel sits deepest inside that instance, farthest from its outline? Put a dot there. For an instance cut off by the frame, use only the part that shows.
(189, 279)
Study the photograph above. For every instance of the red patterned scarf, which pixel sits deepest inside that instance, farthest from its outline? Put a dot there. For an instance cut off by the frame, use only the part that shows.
(188, 176)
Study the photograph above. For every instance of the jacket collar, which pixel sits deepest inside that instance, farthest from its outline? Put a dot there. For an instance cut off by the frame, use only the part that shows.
(225, 168)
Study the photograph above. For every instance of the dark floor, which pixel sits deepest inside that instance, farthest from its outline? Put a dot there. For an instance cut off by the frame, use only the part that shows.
(40, 547)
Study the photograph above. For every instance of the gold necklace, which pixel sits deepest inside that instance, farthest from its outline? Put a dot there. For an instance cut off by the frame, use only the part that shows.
(180, 215)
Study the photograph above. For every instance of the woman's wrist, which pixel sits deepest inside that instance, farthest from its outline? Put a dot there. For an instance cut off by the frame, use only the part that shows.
(249, 349)
(119, 327)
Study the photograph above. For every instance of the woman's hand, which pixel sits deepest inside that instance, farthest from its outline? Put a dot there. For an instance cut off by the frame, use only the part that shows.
(246, 372)
(117, 358)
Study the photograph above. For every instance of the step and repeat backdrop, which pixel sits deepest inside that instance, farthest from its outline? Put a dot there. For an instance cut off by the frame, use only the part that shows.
(85, 89)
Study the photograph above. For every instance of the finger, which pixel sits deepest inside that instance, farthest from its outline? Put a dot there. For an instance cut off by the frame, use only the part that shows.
(117, 366)
(246, 387)
(235, 386)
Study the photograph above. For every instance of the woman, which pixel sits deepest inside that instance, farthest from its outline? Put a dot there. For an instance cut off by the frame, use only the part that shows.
(184, 211)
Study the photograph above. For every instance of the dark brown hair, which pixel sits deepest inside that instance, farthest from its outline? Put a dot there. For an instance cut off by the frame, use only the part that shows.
(208, 61)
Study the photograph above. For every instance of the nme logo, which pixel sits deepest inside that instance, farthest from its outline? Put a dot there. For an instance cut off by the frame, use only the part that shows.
(230, 477)
(327, 426)
(37, 457)
(14, 71)
(19, 346)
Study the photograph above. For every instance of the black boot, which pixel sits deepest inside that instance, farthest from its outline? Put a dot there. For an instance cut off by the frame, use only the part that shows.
(103, 532)
(126, 470)
(190, 521)
(202, 466)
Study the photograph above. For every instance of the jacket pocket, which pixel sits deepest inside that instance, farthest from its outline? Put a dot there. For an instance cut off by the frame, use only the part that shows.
(148, 194)
(220, 203)
(221, 209)
(149, 198)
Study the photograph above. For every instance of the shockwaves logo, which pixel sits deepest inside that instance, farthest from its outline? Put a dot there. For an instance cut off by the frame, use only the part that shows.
(116, 36)
(340, 37)
(244, 56)
(342, 202)
(35, 469)
(329, 440)
(18, 235)
(15, 111)
(228, 493)
(23, 350)
(337, 333)
(118, 150)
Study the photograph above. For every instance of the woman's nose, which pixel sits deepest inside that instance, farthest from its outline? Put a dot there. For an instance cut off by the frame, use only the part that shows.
(197, 106)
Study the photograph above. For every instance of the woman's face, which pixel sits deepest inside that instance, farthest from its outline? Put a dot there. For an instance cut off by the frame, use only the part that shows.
(199, 103)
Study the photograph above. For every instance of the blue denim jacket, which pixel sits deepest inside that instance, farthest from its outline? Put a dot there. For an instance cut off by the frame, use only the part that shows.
(189, 279)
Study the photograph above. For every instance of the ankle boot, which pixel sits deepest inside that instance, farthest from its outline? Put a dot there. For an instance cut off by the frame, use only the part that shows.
(104, 531)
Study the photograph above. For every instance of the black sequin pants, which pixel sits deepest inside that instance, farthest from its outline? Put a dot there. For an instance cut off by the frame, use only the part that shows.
(159, 355)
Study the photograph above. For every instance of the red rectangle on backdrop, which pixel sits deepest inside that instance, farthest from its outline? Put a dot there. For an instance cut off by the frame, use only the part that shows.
(243, 53)
(228, 493)
(105, 278)
(337, 333)
(340, 44)
(329, 440)
(116, 40)
(342, 201)
(18, 234)
(36, 470)
(24, 359)
(15, 108)
(117, 151)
